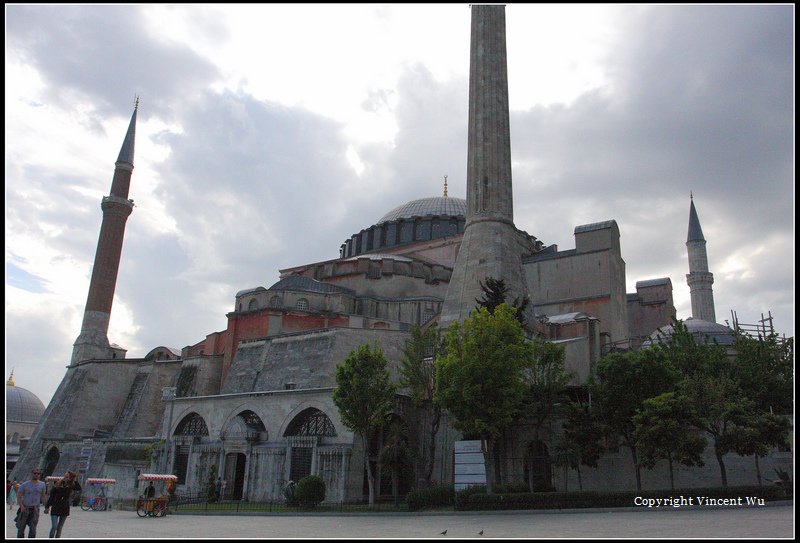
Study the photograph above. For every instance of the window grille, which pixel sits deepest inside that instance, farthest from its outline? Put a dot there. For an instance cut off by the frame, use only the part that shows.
(192, 425)
(301, 463)
(302, 303)
(311, 422)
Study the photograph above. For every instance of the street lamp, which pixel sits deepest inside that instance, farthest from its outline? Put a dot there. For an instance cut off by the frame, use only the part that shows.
(168, 395)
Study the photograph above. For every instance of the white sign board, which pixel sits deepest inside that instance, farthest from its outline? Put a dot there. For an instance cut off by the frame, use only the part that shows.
(469, 464)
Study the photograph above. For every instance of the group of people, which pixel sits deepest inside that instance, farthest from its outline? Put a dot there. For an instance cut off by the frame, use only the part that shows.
(30, 496)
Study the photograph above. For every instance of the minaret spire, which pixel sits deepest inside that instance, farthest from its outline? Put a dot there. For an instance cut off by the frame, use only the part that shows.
(492, 246)
(92, 343)
(699, 279)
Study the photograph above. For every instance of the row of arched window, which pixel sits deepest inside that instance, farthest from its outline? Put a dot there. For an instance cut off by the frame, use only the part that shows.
(310, 422)
(276, 303)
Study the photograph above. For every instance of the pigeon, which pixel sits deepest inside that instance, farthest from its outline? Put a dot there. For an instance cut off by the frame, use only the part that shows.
(480, 533)
(443, 533)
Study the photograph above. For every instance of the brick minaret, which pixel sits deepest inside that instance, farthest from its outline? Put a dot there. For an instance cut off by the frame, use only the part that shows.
(492, 246)
(92, 343)
(699, 278)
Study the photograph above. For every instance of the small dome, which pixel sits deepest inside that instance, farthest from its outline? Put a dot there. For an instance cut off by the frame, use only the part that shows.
(703, 331)
(428, 207)
(22, 405)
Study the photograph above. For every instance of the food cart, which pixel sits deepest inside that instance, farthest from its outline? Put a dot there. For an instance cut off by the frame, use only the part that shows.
(98, 494)
(155, 506)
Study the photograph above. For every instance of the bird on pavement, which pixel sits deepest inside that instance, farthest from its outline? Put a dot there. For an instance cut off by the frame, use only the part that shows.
(480, 533)
(443, 533)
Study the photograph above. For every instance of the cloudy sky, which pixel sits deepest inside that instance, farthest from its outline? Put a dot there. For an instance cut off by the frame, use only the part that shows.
(269, 134)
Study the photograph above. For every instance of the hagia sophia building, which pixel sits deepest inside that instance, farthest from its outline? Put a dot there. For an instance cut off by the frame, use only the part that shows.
(255, 399)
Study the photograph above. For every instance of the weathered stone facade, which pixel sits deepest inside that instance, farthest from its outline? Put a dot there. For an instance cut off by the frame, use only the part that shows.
(255, 400)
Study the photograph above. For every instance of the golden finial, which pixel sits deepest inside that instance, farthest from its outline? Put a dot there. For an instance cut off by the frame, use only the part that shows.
(10, 381)
(445, 186)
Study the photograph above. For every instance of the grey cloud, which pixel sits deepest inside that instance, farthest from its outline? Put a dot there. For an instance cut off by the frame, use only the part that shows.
(104, 53)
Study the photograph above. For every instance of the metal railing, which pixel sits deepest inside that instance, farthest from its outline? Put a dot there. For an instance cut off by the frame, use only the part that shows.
(198, 503)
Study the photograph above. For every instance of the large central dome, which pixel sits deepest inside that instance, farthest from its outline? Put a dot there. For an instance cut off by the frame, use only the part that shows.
(440, 206)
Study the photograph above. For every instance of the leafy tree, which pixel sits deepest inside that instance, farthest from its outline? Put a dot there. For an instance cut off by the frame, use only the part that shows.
(764, 369)
(418, 373)
(662, 432)
(395, 454)
(211, 490)
(758, 433)
(364, 396)
(547, 381)
(581, 440)
(495, 292)
(621, 384)
(481, 379)
(716, 405)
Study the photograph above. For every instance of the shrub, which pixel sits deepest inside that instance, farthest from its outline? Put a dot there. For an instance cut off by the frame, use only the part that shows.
(432, 496)
(309, 491)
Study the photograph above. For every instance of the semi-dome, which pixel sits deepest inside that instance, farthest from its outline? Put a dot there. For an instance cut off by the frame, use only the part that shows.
(440, 206)
(22, 405)
(702, 331)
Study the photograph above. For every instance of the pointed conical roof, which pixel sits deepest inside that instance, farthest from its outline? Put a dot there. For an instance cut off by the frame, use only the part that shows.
(126, 152)
(695, 232)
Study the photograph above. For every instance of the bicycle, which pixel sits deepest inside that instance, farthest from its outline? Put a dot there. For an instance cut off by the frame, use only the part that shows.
(95, 504)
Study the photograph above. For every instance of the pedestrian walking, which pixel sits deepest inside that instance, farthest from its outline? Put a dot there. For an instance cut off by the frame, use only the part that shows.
(11, 499)
(31, 495)
(58, 502)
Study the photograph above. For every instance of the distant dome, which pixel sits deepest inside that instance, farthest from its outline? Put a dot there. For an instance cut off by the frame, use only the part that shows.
(22, 405)
(702, 331)
(428, 207)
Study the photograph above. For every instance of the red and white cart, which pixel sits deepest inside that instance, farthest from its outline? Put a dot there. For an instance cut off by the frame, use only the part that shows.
(156, 506)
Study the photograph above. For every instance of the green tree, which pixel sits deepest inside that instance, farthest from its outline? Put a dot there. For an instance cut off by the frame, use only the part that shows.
(764, 369)
(395, 454)
(364, 396)
(481, 378)
(211, 494)
(758, 433)
(621, 384)
(580, 442)
(662, 431)
(547, 381)
(418, 373)
(495, 292)
(716, 404)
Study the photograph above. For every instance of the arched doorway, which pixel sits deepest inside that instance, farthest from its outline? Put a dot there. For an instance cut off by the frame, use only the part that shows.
(235, 468)
(538, 467)
(50, 462)
(390, 459)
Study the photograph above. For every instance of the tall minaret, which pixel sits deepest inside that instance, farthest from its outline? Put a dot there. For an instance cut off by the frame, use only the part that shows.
(92, 343)
(492, 246)
(699, 278)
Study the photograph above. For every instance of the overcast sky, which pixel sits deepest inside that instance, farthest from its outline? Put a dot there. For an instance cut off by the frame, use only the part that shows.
(269, 134)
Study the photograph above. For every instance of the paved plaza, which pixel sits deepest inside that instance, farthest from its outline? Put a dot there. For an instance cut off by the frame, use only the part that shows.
(771, 521)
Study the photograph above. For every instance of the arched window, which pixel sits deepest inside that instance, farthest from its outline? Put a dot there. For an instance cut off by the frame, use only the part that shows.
(253, 305)
(246, 425)
(311, 422)
(192, 425)
(275, 302)
(302, 303)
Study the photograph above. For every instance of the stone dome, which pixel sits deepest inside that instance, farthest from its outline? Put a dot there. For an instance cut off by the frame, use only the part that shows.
(440, 206)
(702, 331)
(22, 405)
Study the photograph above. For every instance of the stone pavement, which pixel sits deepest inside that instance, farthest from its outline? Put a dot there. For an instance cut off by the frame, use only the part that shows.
(771, 521)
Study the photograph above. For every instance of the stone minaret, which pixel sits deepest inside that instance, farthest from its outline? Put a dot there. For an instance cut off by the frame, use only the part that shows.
(492, 246)
(92, 343)
(699, 278)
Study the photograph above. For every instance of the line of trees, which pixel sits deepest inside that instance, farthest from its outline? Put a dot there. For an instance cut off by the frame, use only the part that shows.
(668, 402)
